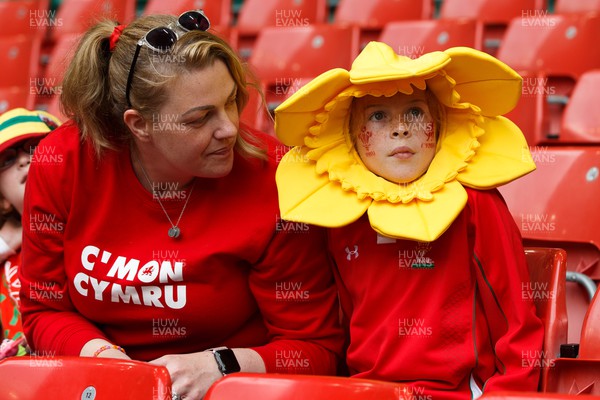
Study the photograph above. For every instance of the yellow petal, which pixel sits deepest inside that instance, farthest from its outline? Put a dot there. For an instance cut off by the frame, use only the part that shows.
(307, 197)
(419, 220)
(503, 156)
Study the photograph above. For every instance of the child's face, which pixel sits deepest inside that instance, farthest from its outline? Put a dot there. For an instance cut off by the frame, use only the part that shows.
(394, 136)
(14, 167)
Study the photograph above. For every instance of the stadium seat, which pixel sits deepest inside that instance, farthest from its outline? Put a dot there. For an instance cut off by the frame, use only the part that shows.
(76, 16)
(25, 17)
(576, 376)
(581, 120)
(286, 58)
(415, 38)
(547, 271)
(372, 16)
(286, 387)
(492, 17)
(219, 12)
(589, 346)
(51, 83)
(551, 207)
(13, 97)
(254, 15)
(19, 57)
(42, 377)
(551, 53)
(579, 6)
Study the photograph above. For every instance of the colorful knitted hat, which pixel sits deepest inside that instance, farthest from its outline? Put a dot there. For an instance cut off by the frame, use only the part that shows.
(20, 124)
(323, 180)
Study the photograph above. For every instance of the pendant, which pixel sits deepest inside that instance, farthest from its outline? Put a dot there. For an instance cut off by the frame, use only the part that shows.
(174, 232)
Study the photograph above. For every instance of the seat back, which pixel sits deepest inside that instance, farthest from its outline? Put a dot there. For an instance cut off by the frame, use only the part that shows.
(415, 38)
(547, 290)
(589, 346)
(371, 16)
(581, 120)
(579, 6)
(254, 15)
(286, 387)
(219, 12)
(19, 57)
(76, 16)
(24, 17)
(45, 376)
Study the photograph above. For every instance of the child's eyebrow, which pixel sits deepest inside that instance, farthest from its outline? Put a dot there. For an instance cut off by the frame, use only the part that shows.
(379, 105)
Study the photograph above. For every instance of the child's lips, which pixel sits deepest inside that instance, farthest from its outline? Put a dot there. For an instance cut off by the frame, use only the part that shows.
(24, 180)
(402, 152)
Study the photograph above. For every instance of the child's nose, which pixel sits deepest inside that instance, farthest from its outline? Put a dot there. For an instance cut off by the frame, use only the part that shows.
(23, 159)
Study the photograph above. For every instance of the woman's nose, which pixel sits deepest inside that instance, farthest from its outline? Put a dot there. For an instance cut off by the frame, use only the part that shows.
(402, 130)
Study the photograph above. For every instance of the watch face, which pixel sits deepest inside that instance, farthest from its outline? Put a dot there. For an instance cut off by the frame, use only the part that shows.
(226, 361)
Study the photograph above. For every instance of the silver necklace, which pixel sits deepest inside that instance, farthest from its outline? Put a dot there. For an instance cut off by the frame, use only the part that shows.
(174, 231)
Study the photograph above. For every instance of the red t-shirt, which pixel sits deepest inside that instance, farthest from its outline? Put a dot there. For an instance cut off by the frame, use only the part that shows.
(98, 263)
(434, 314)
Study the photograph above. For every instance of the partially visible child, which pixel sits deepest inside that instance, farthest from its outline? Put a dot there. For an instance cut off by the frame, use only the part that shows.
(400, 158)
(20, 132)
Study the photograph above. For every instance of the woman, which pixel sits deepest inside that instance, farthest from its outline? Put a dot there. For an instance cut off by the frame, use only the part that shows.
(157, 236)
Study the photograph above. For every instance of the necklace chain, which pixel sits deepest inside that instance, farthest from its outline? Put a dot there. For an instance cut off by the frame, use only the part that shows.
(174, 231)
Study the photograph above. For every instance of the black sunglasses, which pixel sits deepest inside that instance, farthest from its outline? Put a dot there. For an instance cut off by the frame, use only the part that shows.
(9, 156)
(161, 39)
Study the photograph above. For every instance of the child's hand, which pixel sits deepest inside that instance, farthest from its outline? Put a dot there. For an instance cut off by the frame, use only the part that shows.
(12, 233)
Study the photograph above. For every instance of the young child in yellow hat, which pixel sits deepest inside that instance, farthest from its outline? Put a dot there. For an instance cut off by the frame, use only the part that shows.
(20, 132)
(400, 158)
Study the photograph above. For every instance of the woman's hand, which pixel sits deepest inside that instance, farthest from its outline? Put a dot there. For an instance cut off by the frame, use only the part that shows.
(191, 374)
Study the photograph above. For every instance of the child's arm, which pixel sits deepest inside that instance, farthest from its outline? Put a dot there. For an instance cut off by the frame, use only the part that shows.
(516, 332)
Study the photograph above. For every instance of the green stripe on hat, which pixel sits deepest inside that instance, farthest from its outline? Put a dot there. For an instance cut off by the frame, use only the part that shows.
(21, 119)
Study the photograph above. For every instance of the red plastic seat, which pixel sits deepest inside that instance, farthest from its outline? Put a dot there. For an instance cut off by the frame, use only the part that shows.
(45, 377)
(551, 206)
(76, 16)
(19, 57)
(581, 120)
(372, 16)
(254, 15)
(492, 17)
(415, 38)
(551, 53)
(547, 290)
(286, 387)
(579, 6)
(25, 17)
(286, 58)
(589, 346)
(13, 97)
(219, 12)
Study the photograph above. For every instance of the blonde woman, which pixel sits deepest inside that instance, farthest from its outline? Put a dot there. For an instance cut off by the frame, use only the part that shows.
(157, 235)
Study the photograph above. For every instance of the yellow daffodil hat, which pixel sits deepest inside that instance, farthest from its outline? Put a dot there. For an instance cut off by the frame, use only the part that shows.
(322, 180)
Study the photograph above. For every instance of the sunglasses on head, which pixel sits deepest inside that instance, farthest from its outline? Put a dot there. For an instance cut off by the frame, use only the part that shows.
(9, 156)
(161, 39)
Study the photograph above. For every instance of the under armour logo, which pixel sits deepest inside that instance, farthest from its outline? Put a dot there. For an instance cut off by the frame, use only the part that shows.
(351, 253)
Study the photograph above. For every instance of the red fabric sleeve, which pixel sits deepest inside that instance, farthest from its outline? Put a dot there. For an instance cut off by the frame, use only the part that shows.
(515, 331)
(294, 288)
(51, 324)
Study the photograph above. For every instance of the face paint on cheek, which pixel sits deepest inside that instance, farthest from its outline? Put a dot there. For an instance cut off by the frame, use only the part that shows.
(365, 139)
(430, 137)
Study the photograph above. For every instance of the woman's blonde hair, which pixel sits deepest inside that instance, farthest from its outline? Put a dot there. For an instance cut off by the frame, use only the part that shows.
(93, 93)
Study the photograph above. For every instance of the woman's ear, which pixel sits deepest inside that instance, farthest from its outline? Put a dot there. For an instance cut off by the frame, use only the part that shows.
(137, 125)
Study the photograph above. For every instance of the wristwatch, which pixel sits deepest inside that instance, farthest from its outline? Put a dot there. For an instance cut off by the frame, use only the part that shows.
(226, 360)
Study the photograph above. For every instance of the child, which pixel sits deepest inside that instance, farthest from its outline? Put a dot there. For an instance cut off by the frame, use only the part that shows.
(20, 132)
(400, 158)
